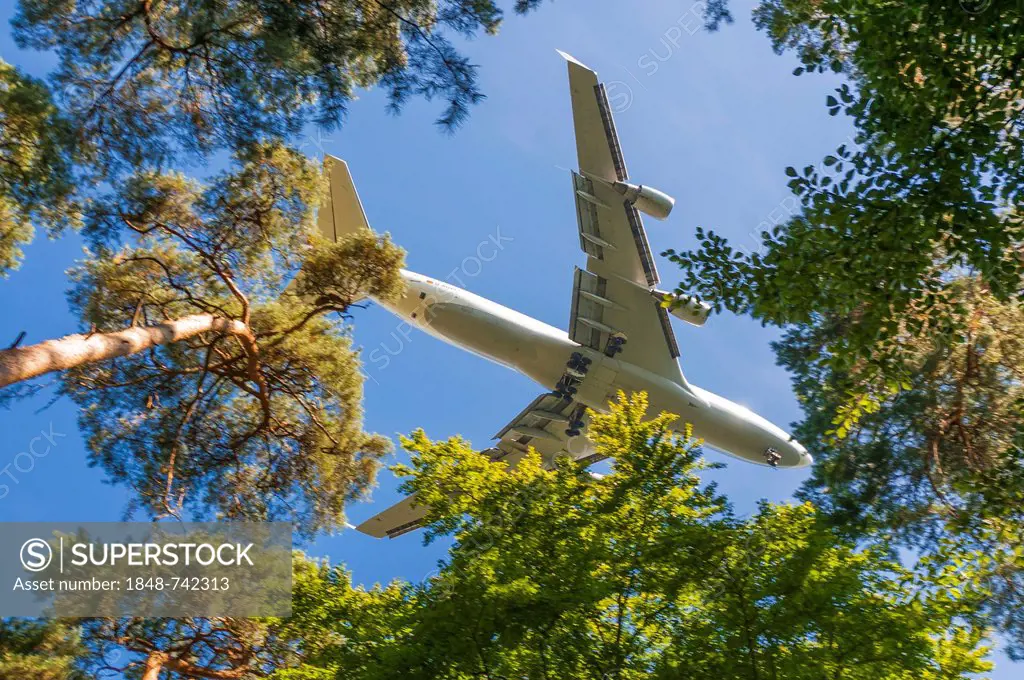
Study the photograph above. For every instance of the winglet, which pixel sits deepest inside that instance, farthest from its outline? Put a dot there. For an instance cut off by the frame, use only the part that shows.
(573, 60)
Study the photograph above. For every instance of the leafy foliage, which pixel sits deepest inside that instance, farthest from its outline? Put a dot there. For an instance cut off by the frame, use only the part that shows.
(899, 279)
(643, 573)
(932, 186)
(929, 192)
(939, 464)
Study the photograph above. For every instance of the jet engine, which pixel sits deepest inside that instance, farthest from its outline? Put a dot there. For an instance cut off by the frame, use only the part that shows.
(645, 199)
(691, 310)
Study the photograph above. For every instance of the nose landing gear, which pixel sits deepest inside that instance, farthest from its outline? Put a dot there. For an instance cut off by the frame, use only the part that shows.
(772, 457)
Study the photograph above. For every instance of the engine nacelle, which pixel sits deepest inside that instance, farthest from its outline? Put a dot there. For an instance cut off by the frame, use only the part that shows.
(645, 199)
(691, 310)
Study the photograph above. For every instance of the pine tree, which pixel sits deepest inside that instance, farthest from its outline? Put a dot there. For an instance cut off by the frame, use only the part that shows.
(212, 379)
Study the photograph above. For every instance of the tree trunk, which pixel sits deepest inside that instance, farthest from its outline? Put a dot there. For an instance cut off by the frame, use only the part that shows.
(23, 363)
(154, 664)
(189, 670)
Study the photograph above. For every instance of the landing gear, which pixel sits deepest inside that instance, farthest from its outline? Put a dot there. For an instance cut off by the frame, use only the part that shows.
(578, 365)
(576, 421)
(614, 346)
(566, 387)
(577, 373)
(772, 457)
(577, 359)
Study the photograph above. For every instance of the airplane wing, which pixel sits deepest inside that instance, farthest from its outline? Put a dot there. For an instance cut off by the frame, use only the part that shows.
(401, 518)
(615, 295)
(545, 425)
(541, 425)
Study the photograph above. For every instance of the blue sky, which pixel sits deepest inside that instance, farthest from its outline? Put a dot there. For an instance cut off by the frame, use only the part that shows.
(712, 119)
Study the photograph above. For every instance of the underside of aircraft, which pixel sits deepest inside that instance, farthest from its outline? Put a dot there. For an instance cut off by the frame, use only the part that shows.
(619, 336)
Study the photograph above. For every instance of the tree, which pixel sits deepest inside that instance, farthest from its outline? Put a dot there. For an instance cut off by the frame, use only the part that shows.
(931, 188)
(184, 649)
(940, 465)
(205, 382)
(39, 649)
(34, 164)
(153, 79)
(642, 573)
(899, 281)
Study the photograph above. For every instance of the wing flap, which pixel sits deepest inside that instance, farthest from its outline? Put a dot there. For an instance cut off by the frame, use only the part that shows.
(650, 339)
(643, 246)
(587, 218)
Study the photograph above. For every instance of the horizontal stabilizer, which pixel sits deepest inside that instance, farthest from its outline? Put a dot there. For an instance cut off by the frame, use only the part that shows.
(400, 518)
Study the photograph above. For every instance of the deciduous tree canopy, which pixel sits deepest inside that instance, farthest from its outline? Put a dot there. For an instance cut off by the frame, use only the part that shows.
(900, 278)
(642, 573)
(932, 185)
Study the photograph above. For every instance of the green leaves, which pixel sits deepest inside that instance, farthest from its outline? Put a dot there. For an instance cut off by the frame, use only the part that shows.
(899, 276)
(832, 104)
(642, 573)
(930, 448)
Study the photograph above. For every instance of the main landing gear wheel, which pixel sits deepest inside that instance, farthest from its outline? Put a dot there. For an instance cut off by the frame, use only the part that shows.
(577, 359)
(577, 366)
(615, 344)
(576, 421)
(575, 428)
(565, 387)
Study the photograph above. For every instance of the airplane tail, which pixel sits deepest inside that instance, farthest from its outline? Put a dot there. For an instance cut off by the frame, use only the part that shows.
(341, 212)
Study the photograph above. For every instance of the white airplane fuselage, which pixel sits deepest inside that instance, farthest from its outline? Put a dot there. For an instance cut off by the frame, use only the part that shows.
(540, 352)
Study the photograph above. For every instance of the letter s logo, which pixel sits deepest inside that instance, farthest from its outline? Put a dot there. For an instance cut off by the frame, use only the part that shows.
(36, 554)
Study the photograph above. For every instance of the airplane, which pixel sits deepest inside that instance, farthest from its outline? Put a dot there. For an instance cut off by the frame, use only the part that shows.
(619, 336)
